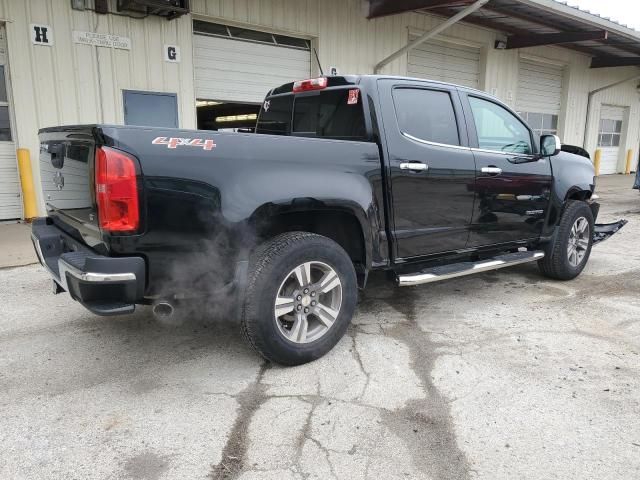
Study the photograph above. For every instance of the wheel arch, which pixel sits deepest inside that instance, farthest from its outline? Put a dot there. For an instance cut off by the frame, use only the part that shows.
(345, 226)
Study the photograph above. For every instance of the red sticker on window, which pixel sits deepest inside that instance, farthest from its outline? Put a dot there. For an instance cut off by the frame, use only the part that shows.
(353, 96)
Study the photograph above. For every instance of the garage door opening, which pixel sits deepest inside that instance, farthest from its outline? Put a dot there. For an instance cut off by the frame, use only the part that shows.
(540, 96)
(236, 67)
(227, 116)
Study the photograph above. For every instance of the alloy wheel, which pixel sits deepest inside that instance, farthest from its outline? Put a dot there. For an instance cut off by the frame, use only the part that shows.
(578, 244)
(308, 302)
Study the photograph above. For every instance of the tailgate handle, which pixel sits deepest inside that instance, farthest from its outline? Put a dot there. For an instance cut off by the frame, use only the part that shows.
(57, 153)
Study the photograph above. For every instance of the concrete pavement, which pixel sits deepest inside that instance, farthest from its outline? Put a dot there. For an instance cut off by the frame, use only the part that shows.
(15, 245)
(504, 375)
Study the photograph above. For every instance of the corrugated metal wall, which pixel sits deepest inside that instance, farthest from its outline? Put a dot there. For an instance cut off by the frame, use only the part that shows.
(71, 83)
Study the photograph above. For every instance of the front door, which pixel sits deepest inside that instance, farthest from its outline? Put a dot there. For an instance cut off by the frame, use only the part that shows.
(150, 109)
(512, 189)
(609, 136)
(431, 168)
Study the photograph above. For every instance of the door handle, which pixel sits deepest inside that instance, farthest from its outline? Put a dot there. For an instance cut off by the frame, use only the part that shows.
(415, 166)
(492, 170)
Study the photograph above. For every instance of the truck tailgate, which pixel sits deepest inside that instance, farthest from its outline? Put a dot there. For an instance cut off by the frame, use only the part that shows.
(66, 166)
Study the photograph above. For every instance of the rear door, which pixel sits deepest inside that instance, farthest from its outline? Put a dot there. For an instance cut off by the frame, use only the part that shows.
(512, 189)
(430, 166)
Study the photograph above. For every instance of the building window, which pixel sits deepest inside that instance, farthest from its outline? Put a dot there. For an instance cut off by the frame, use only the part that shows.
(610, 132)
(541, 123)
(218, 30)
(5, 122)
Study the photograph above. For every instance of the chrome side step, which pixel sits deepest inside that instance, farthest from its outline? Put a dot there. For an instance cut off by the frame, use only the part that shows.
(454, 270)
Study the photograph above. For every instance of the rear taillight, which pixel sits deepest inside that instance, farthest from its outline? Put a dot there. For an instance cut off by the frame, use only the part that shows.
(311, 84)
(116, 191)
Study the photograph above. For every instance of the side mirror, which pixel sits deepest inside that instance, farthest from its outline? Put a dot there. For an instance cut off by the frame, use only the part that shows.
(550, 145)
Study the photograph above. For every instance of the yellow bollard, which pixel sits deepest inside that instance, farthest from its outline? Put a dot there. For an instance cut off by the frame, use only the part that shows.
(26, 180)
(596, 161)
(627, 170)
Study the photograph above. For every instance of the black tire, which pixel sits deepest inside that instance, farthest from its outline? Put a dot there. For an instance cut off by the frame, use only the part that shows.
(270, 265)
(556, 262)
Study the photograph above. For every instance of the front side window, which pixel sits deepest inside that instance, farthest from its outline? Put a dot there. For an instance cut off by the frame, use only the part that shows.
(498, 129)
(426, 115)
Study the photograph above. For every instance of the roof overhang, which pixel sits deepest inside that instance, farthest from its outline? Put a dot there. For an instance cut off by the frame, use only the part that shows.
(528, 23)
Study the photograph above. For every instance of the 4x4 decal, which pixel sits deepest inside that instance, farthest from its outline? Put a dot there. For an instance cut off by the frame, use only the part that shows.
(175, 142)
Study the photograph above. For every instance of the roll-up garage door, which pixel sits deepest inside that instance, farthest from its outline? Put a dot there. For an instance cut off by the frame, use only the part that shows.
(609, 137)
(10, 199)
(445, 62)
(539, 88)
(244, 70)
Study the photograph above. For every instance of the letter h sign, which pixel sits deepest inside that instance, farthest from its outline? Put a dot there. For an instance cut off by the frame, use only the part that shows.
(41, 35)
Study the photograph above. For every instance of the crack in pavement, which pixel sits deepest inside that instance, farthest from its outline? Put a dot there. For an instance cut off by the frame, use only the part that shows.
(356, 356)
(233, 455)
(424, 425)
(304, 435)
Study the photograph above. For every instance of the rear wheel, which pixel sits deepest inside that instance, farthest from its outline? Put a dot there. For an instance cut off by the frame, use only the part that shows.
(300, 297)
(568, 253)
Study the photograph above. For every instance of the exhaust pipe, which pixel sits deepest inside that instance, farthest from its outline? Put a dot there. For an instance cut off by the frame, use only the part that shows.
(163, 310)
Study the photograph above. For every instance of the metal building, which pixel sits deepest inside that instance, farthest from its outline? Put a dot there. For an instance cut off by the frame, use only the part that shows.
(208, 63)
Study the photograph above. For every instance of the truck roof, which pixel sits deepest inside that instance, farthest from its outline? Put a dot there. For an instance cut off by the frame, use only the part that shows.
(343, 80)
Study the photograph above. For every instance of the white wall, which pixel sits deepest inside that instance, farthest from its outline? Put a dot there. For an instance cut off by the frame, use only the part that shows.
(70, 83)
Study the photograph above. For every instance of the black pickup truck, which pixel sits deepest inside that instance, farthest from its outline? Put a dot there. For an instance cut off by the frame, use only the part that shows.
(344, 175)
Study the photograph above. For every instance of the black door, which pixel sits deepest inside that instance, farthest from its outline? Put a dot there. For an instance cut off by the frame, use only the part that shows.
(512, 188)
(150, 109)
(431, 168)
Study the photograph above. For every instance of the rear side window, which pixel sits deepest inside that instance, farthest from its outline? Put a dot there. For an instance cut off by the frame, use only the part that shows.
(336, 113)
(426, 115)
(275, 116)
(330, 113)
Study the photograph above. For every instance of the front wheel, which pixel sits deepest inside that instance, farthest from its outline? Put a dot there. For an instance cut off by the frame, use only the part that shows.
(568, 253)
(301, 295)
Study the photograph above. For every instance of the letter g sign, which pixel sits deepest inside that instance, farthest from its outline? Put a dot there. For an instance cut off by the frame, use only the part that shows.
(171, 53)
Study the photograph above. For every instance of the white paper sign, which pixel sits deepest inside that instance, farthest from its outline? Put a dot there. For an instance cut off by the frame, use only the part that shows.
(102, 40)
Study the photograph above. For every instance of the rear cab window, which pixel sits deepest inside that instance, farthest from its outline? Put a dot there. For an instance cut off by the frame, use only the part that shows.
(335, 113)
